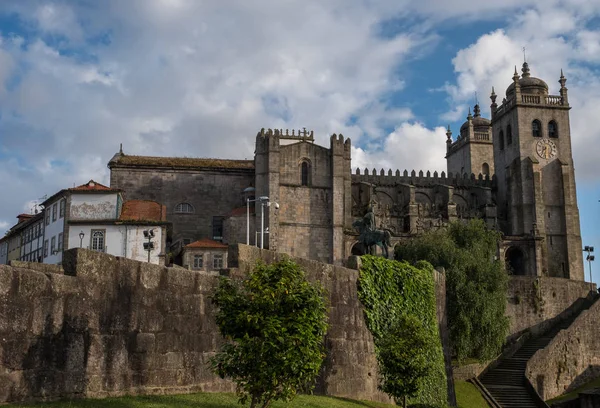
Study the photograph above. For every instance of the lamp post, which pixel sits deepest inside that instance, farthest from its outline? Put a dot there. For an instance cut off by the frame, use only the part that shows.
(264, 200)
(590, 258)
(149, 246)
(81, 235)
(262, 215)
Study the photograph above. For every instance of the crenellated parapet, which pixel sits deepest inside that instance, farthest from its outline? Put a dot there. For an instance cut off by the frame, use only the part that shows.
(341, 146)
(389, 178)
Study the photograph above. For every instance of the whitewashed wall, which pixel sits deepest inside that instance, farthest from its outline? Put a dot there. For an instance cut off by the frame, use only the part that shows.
(120, 240)
(3, 252)
(52, 230)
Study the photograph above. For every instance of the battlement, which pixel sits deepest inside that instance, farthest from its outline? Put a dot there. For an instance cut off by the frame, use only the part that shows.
(302, 135)
(338, 141)
(422, 179)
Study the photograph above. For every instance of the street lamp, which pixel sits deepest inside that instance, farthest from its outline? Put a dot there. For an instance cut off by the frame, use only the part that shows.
(590, 258)
(149, 246)
(81, 235)
(263, 200)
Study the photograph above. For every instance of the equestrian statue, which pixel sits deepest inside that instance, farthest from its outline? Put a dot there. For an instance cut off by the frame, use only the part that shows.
(369, 236)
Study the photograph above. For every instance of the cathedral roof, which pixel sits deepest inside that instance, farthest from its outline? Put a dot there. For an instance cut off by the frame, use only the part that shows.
(121, 159)
(528, 84)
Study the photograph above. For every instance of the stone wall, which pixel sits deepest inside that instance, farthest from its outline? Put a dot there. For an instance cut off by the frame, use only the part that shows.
(533, 303)
(211, 192)
(571, 359)
(113, 326)
(350, 368)
(118, 326)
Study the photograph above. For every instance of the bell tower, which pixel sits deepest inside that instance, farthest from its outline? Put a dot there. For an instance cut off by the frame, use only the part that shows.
(536, 194)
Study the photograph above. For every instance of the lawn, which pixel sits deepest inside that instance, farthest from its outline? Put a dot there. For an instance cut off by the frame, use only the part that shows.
(204, 400)
(467, 396)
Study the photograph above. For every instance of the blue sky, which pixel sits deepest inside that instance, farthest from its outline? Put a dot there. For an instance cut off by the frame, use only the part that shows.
(191, 78)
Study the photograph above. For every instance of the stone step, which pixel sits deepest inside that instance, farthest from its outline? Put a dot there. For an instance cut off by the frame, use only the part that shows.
(503, 377)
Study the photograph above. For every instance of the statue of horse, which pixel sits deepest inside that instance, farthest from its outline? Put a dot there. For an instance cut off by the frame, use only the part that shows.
(381, 238)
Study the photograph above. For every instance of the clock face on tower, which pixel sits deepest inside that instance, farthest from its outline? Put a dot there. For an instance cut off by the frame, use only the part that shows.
(546, 149)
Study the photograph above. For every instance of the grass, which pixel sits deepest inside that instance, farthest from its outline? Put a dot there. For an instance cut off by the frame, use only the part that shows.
(592, 384)
(204, 400)
(467, 396)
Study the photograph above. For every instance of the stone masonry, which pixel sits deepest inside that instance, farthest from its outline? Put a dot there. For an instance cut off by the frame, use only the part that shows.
(112, 326)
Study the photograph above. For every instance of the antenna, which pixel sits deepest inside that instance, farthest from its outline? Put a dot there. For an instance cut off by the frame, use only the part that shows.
(524, 56)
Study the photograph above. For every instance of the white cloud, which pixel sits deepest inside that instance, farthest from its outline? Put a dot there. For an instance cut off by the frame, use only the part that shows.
(556, 38)
(411, 146)
(183, 77)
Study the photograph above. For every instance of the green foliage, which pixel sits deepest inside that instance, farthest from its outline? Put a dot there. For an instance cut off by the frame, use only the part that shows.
(274, 323)
(390, 291)
(476, 285)
(402, 358)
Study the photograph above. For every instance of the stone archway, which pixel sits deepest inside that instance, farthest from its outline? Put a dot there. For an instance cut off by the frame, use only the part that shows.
(514, 260)
(357, 249)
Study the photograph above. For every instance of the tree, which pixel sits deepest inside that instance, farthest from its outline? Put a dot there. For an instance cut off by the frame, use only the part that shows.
(402, 357)
(476, 284)
(274, 323)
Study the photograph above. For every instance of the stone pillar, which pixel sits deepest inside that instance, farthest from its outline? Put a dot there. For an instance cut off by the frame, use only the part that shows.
(266, 163)
(341, 185)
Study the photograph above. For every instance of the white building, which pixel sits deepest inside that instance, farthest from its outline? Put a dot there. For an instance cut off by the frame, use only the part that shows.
(3, 250)
(93, 216)
(32, 239)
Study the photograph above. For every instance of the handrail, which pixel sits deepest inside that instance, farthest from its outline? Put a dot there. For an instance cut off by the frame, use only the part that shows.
(484, 393)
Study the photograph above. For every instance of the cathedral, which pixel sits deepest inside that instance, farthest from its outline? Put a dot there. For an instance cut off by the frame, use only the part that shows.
(514, 170)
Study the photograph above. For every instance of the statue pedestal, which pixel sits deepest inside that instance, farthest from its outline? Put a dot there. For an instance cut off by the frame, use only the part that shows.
(354, 262)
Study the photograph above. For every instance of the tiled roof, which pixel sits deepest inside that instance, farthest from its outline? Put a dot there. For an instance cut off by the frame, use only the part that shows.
(143, 210)
(187, 162)
(92, 186)
(206, 243)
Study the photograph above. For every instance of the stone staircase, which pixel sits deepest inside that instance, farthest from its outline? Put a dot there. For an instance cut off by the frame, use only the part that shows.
(506, 382)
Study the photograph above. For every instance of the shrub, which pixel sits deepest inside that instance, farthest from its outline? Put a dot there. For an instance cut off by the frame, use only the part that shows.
(274, 323)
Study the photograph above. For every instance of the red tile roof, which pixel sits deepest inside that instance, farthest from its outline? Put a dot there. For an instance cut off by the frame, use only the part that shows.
(143, 210)
(206, 243)
(91, 186)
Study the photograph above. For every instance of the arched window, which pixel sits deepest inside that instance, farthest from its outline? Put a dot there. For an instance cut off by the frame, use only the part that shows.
(97, 240)
(485, 169)
(184, 208)
(305, 173)
(536, 128)
(515, 261)
(508, 135)
(501, 140)
(552, 129)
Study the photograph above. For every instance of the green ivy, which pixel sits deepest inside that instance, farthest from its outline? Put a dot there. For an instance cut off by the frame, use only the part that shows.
(391, 289)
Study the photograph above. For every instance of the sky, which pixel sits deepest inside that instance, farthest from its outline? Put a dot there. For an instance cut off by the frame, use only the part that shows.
(200, 78)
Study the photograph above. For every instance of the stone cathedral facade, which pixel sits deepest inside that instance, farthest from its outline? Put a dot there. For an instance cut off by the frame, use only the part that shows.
(515, 171)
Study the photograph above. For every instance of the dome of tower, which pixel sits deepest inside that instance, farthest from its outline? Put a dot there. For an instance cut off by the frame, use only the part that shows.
(528, 84)
(479, 123)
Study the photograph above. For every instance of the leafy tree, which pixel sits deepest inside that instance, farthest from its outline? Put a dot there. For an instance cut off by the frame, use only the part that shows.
(274, 322)
(476, 284)
(402, 357)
